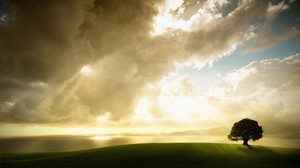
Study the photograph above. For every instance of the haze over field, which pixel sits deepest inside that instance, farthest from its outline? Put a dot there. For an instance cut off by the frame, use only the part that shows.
(151, 66)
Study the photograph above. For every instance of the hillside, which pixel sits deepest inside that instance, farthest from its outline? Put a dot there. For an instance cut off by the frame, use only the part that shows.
(175, 155)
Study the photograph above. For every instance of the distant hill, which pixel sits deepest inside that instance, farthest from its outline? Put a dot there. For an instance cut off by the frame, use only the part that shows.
(212, 132)
(161, 155)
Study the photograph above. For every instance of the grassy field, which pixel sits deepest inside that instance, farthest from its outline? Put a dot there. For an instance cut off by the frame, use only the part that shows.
(159, 155)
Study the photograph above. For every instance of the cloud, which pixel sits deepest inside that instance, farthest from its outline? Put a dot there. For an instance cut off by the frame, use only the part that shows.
(52, 40)
(266, 90)
(220, 36)
(49, 42)
(265, 38)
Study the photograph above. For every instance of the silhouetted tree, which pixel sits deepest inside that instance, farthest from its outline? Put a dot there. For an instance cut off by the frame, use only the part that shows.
(246, 130)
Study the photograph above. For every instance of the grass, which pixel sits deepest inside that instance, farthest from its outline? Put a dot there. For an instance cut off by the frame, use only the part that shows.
(160, 155)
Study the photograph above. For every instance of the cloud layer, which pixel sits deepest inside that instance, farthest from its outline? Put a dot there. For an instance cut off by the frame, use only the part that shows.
(48, 42)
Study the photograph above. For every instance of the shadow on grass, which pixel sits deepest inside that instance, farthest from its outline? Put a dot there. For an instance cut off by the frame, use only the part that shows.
(258, 151)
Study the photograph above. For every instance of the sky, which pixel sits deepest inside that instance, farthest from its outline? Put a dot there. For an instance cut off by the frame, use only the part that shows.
(115, 66)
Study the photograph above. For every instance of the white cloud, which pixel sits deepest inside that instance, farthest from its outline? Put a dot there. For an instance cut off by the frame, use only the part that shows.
(267, 90)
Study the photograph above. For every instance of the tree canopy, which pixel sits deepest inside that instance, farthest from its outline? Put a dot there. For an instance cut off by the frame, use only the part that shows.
(246, 130)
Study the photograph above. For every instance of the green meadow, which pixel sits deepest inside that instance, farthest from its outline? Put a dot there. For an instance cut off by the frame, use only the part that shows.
(160, 155)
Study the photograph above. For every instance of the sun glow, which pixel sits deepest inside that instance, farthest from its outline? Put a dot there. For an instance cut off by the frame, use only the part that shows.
(187, 109)
(86, 70)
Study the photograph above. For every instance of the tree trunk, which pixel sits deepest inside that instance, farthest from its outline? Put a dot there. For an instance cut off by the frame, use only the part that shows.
(246, 142)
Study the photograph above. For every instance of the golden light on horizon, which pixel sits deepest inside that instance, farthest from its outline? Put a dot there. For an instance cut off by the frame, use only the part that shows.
(101, 138)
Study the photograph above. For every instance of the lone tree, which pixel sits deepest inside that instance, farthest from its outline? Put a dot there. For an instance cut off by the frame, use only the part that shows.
(245, 130)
